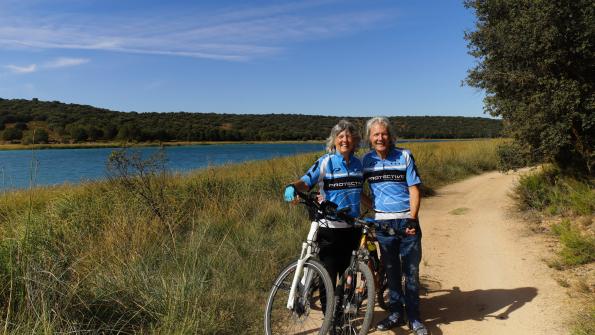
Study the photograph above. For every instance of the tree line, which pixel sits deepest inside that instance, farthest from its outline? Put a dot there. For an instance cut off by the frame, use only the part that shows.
(60, 122)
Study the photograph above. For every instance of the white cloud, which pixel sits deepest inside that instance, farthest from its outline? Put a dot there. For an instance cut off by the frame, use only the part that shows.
(54, 64)
(234, 34)
(22, 69)
(65, 62)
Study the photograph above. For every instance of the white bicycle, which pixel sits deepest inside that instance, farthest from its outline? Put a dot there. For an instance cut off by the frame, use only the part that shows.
(301, 300)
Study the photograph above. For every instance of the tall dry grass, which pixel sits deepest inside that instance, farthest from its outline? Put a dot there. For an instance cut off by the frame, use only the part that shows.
(96, 258)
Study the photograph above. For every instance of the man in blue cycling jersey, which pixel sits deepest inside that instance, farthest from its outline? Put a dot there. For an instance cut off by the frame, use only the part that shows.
(394, 186)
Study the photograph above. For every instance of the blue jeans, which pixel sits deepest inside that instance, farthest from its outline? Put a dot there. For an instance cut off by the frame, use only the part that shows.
(401, 256)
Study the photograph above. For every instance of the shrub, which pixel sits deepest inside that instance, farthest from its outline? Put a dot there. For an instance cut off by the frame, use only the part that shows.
(577, 248)
(552, 191)
(95, 133)
(78, 133)
(512, 156)
(11, 134)
(40, 136)
(21, 126)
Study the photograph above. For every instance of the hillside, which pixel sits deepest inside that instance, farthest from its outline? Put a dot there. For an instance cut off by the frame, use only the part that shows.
(66, 123)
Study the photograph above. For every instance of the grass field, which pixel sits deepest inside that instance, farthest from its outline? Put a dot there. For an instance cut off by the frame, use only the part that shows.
(168, 254)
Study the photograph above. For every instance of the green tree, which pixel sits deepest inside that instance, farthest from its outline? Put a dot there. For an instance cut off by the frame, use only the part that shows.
(110, 132)
(21, 126)
(129, 132)
(536, 65)
(78, 133)
(40, 136)
(11, 134)
(94, 133)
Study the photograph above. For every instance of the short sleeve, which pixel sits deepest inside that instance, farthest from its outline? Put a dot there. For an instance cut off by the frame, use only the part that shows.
(313, 175)
(412, 175)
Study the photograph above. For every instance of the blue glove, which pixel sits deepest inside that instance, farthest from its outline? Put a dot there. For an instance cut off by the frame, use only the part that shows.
(289, 194)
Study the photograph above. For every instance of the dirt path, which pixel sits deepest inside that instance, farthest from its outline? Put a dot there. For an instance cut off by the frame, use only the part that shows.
(483, 272)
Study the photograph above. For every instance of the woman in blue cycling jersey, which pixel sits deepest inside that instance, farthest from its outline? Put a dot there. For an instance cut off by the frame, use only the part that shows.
(338, 175)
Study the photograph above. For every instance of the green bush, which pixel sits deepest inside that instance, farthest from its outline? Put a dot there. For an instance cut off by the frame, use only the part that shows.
(41, 136)
(38, 136)
(12, 134)
(513, 156)
(78, 133)
(551, 191)
(577, 248)
(21, 126)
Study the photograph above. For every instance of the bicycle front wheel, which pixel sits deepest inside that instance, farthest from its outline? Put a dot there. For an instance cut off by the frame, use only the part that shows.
(355, 310)
(311, 312)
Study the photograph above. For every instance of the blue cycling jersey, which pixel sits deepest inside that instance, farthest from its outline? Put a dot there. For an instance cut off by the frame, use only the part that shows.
(337, 182)
(389, 179)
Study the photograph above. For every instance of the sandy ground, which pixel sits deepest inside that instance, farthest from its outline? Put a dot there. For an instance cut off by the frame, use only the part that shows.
(482, 270)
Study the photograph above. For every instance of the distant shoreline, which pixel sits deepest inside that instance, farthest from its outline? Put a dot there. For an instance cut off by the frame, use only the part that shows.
(94, 145)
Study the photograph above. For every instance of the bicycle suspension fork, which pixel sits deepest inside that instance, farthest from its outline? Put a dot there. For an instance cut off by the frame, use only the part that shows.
(305, 254)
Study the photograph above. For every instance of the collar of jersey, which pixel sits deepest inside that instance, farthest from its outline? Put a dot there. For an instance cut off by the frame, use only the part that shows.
(335, 153)
(392, 151)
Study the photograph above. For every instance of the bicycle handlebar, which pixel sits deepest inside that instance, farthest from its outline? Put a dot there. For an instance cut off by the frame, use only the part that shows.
(328, 210)
(323, 210)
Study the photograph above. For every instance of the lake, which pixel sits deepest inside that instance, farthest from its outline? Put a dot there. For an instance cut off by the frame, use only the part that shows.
(21, 168)
(57, 166)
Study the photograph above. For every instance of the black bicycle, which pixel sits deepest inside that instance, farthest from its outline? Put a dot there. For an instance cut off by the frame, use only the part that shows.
(363, 283)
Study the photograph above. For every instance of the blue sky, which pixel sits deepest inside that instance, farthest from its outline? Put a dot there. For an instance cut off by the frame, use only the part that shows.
(324, 57)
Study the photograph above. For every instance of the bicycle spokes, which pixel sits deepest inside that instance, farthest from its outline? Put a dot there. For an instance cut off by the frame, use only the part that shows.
(355, 304)
(307, 312)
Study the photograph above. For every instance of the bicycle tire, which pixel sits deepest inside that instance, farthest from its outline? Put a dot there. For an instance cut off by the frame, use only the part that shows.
(355, 311)
(308, 314)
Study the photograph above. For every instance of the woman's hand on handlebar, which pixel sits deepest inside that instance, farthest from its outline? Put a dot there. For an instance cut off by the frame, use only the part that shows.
(289, 194)
(293, 190)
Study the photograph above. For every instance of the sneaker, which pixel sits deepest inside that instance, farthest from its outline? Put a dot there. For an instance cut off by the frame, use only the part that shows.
(418, 328)
(392, 321)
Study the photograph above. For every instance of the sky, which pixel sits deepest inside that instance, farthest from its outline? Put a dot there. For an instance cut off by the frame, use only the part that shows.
(319, 57)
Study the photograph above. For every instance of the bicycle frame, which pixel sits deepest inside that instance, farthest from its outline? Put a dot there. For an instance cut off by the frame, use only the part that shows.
(307, 251)
(362, 253)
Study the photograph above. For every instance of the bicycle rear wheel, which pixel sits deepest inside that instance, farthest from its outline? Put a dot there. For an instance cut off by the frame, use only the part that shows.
(355, 308)
(311, 312)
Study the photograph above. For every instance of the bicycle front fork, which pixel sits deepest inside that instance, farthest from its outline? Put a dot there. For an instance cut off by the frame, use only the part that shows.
(305, 279)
